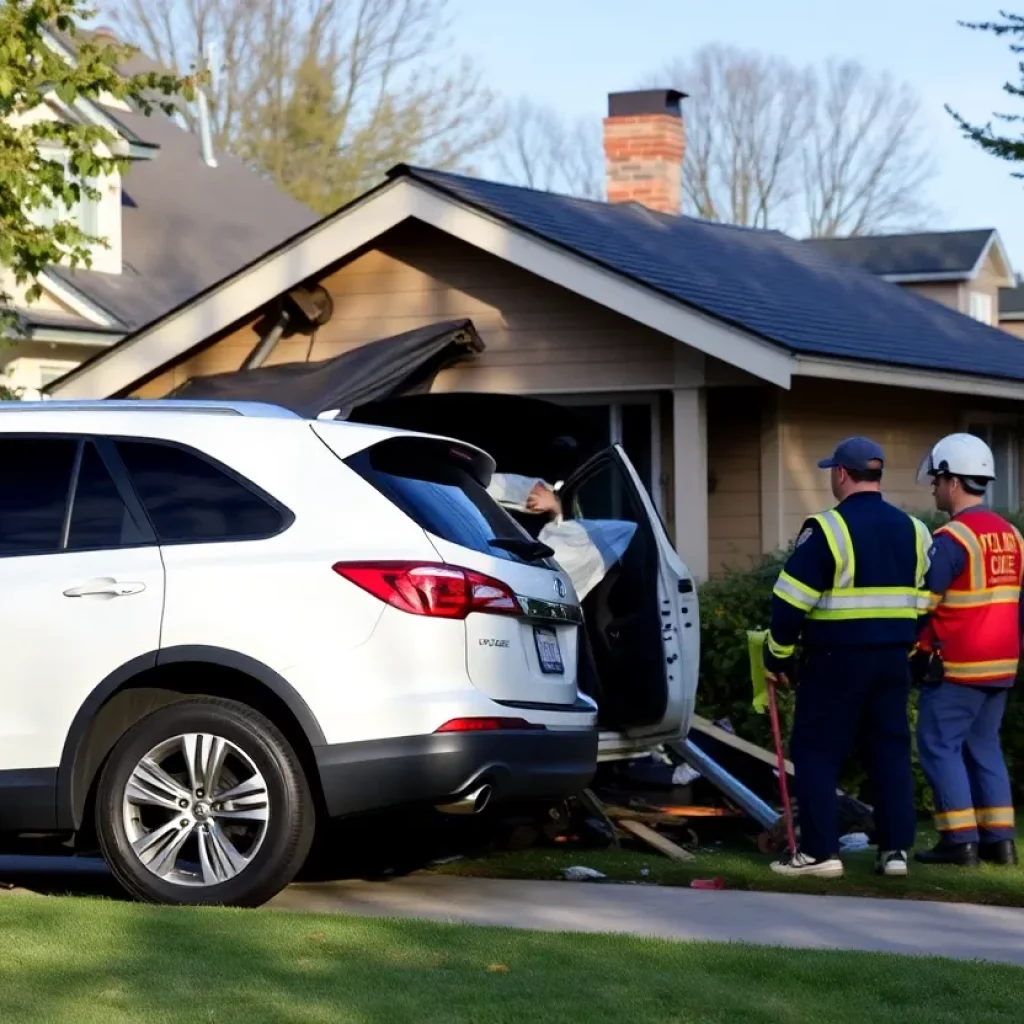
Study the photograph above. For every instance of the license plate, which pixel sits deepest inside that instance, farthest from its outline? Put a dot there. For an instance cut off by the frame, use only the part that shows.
(548, 651)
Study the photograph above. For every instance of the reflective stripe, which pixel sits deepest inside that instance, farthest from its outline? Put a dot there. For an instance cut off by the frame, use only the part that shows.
(793, 592)
(841, 545)
(924, 545)
(927, 601)
(953, 821)
(974, 670)
(978, 598)
(975, 556)
(778, 650)
(868, 603)
(996, 817)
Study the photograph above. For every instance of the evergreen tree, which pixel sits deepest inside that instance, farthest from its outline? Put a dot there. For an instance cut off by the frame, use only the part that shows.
(1002, 146)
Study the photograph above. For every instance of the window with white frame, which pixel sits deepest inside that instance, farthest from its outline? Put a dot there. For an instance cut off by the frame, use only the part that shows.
(981, 307)
(1003, 438)
(85, 213)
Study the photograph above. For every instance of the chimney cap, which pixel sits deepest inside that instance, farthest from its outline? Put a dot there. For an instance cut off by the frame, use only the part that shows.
(640, 103)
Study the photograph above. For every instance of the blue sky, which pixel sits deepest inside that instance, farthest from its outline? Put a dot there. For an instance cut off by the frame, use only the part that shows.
(571, 53)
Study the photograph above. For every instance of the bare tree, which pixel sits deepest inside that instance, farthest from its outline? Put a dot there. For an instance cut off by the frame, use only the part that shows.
(865, 163)
(746, 116)
(541, 149)
(324, 95)
(772, 145)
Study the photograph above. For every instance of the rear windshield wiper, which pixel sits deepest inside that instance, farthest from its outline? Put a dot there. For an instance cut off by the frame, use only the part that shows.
(531, 550)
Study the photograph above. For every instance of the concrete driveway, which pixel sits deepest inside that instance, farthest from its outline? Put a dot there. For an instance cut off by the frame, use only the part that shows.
(961, 931)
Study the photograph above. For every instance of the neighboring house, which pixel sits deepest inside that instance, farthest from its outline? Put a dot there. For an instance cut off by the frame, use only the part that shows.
(174, 225)
(1011, 309)
(964, 270)
(727, 360)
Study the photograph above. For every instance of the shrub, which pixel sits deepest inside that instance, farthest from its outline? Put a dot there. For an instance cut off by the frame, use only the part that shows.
(739, 600)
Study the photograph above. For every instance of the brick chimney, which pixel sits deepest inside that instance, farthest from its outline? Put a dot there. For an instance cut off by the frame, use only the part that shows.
(643, 149)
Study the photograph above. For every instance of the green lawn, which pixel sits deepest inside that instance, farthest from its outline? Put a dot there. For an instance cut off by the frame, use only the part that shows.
(743, 867)
(107, 962)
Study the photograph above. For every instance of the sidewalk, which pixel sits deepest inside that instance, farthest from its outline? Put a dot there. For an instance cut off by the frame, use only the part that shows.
(962, 931)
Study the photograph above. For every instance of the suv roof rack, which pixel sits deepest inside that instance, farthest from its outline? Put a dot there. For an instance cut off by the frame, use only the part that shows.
(253, 409)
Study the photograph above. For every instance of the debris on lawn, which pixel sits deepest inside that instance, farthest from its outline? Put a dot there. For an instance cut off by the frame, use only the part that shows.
(652, 838)
(707, 883)
(579, 873)
(853, 841)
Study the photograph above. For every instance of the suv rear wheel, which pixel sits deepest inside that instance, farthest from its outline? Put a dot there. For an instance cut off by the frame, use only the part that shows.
(204, 802)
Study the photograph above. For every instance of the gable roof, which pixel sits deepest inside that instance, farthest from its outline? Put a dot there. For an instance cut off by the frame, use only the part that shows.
(764, 281)
(185, 225)
(926, 256)
(761, 300)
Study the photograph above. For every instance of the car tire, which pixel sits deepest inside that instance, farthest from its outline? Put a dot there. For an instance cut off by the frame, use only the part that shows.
(238, 852)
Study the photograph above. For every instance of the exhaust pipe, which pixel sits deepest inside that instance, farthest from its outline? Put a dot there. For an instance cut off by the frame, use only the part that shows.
(472, 803)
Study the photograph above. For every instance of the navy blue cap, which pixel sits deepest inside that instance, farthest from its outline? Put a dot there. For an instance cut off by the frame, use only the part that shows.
(854, 453)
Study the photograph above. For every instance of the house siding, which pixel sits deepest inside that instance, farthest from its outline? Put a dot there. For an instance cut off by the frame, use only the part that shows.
(734, 477)
(817, 414)
(540, 338)
(947, 293)
(1014, 327)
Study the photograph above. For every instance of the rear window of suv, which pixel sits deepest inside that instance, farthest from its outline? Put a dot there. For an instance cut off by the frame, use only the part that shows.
(436, 487)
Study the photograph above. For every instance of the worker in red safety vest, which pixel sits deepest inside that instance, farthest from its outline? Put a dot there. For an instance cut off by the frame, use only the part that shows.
(967, 657)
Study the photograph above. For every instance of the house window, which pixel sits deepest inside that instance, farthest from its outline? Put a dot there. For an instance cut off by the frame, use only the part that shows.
(1004, 492)
(85, 213)
(981, 307)
(632, 422)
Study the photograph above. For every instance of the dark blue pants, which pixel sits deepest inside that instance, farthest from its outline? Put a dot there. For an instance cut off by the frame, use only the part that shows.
(958, 743)
(847, 696)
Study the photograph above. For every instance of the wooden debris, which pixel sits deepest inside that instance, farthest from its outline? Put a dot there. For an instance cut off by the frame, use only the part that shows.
(592, 804)
(653, 839)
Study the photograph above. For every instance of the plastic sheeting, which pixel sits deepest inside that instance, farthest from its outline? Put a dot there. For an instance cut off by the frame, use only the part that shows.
(585, 548)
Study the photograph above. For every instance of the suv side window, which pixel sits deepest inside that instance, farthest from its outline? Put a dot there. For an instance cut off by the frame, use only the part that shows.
(99, 516)
(189, 499)
(37, 478)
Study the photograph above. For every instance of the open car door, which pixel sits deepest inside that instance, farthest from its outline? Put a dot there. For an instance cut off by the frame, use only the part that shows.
(641, 619)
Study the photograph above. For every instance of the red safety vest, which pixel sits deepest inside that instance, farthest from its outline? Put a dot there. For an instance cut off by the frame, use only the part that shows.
(977, 620)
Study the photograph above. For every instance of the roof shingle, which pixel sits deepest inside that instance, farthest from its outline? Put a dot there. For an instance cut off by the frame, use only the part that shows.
(935, 252)
(765, 282)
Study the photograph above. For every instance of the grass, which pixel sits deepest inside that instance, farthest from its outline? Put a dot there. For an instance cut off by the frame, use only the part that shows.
(743, 867)
(107, 962)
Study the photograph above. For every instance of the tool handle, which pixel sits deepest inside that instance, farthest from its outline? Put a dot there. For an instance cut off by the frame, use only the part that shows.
(787, 809)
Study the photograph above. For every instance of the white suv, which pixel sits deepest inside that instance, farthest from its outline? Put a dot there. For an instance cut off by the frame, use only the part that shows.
(223, 620)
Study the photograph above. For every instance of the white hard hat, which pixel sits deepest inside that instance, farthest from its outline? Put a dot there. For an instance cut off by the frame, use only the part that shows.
(962, 455)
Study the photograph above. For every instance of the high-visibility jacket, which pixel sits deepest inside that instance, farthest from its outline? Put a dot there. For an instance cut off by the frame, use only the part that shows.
(856, 578)
(977, 620)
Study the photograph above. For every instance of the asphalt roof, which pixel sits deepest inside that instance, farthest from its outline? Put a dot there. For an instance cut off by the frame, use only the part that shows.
(185, 225)
(934, 252)
(765, 282)
(1011, 300)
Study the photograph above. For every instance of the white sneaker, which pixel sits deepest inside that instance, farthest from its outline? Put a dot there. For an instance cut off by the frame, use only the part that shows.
(892, 863)
(802, 864)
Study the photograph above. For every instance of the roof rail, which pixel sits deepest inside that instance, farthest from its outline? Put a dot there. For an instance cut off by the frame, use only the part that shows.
(262, 410)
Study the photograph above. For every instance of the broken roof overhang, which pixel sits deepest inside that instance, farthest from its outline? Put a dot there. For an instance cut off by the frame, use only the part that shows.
(405, 364)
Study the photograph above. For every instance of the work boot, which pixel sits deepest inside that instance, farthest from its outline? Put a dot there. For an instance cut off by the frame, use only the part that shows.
(964, 855)
(800, 865)
(891, 863)
(1003, 852)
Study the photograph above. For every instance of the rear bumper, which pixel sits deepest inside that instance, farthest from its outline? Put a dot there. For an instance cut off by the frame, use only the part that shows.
(378, 774)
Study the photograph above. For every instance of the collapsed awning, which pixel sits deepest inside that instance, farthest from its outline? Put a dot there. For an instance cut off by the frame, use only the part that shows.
(405, 364)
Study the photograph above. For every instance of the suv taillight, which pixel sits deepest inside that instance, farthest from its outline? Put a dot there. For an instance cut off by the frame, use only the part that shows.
(423, 588)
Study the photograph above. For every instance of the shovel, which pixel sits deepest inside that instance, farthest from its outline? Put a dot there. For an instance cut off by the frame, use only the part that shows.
(787, 809)
(764, 695)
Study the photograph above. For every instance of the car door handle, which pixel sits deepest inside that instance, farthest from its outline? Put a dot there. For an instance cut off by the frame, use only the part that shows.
(105, 588)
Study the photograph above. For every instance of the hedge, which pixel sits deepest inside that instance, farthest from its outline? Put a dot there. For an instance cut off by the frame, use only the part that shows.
(739, 600)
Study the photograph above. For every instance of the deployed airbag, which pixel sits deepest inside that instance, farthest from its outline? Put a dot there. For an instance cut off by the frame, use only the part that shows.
(585, 548)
